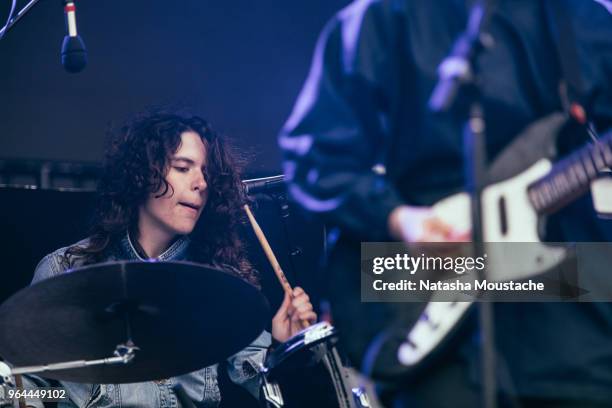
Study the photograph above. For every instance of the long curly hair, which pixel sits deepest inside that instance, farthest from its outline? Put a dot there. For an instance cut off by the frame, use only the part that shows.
(135, 165)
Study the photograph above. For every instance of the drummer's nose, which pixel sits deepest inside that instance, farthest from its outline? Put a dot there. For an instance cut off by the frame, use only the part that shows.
(199, 182)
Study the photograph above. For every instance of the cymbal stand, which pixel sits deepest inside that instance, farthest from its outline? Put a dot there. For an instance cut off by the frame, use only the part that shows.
(123, 354)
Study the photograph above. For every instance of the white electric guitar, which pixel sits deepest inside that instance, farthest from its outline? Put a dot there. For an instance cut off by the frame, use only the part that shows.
(515, 205)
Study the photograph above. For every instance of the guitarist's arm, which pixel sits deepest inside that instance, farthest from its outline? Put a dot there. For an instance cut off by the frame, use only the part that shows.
(334, 136)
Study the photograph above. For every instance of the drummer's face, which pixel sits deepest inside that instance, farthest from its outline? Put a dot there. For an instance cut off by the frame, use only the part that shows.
(177, 212)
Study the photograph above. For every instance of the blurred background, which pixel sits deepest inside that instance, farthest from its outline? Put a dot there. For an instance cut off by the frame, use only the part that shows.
(240, 64)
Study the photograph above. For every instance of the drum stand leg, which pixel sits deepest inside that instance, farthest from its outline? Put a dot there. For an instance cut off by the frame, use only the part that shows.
(124, 353)
(273, 397)
(348, 397)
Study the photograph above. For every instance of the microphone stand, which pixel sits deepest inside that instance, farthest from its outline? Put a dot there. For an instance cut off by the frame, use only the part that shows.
(459, 76)
(17, 17)
(275, 188)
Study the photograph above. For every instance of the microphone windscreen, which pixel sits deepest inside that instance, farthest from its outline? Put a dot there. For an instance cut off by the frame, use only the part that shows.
(74, 54)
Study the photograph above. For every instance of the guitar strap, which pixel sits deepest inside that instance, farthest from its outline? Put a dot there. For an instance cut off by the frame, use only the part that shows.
(571, 88)
(573, 93)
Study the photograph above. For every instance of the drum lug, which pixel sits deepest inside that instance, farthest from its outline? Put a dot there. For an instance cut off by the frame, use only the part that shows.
(272, 394)
(361, 397)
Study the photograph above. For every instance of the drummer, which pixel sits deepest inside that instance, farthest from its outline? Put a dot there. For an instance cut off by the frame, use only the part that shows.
(171, 191)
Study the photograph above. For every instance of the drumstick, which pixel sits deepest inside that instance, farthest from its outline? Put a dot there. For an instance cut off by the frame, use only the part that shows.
(19, 384)
(271, 257)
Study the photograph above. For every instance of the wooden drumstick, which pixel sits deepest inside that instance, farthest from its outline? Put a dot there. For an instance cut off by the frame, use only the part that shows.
(19, 385)
(271, 257)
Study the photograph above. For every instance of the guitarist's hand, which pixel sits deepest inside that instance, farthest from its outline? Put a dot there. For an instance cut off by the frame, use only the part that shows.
(418, 224)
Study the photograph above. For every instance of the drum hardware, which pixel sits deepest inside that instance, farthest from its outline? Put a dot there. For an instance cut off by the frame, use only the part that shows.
(272, 393)
(361, 397)
(6, 376)
(334, 366)
(313, 345)
(123, 355)
(325, 330)
(65, 325)
(312, 349)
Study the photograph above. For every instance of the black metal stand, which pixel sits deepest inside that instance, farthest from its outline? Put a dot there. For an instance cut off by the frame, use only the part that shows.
(459, 76)
(284, 212)
(123, 354)
(475, 159)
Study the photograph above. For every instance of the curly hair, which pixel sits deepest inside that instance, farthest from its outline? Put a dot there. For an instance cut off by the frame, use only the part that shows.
(135, 166)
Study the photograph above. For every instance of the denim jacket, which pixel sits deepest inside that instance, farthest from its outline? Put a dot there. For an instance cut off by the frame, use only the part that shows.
(201, 386)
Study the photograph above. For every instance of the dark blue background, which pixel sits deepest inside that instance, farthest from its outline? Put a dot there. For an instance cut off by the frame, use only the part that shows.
(239, 63)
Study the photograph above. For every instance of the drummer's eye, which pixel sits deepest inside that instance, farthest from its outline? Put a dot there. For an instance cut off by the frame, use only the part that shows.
(181, 169)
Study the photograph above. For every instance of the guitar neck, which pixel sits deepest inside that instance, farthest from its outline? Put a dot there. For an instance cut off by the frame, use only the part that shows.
(571, 177)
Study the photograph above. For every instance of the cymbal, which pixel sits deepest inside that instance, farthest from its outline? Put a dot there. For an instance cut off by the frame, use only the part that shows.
(182, 317)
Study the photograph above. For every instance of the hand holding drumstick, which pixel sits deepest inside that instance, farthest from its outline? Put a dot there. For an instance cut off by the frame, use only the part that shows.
(296, 311)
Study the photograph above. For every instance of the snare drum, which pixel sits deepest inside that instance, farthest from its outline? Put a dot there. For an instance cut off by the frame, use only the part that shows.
(307, 371)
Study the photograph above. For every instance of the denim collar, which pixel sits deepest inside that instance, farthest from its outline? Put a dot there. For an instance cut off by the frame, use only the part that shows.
(177, 251)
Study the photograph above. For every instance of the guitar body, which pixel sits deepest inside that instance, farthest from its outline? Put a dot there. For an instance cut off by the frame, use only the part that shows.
(508, 216)
(523, 185)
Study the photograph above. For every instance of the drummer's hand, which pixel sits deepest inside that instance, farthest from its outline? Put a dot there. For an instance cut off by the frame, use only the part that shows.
(293, 310)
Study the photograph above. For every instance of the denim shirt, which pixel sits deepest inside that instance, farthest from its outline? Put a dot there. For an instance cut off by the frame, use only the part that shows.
(201, 386)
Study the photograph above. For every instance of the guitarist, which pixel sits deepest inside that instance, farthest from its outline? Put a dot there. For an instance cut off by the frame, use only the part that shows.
(363, 151)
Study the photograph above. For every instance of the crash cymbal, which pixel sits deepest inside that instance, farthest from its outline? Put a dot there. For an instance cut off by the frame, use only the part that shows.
(182, 317)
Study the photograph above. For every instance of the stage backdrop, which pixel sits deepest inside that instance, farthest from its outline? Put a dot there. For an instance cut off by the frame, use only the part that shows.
(239, 63)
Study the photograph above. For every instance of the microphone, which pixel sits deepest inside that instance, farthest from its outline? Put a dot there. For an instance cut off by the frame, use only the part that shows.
(264, 185)
(456, 69)
(74, 53)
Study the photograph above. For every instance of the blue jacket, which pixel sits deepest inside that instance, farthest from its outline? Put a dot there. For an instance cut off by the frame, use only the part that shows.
(201, 386)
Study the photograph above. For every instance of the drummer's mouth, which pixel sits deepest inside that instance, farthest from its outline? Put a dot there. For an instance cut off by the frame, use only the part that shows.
(191, 205)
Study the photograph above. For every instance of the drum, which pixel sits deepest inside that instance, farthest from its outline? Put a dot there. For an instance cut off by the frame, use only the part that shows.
(307, 371)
